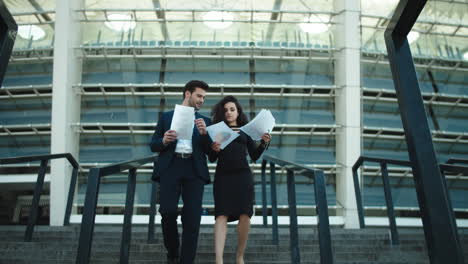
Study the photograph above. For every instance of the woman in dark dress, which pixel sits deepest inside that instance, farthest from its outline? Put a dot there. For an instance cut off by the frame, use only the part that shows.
(233, 184)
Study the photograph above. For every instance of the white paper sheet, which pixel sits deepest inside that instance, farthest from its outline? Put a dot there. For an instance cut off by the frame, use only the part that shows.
(261, 124)
(183, 121)
(222, 134)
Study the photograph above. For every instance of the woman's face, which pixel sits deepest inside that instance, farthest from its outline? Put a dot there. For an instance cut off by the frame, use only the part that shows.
(230, 112)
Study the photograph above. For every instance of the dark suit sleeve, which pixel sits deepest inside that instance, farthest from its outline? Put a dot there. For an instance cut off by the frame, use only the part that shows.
(156, 143)
(206, 139)
(255, 151)
(207, 142)
(212, 155)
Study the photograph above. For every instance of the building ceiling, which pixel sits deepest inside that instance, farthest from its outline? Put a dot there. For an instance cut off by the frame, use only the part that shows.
(442, 23)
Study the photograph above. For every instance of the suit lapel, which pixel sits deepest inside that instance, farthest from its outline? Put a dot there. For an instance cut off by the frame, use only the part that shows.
(169, 120)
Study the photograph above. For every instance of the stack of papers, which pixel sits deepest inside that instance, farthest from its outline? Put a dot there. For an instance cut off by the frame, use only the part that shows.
(183, 124)
(261, 124)
(183, 121)
(222, 134)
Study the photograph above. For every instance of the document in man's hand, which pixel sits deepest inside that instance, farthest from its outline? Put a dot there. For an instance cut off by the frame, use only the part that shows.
(261, 124)
(222, 134)
(183, 121)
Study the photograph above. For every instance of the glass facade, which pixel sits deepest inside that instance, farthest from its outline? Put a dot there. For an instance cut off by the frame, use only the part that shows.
(25, 95)
(279, 55)
(438, 45)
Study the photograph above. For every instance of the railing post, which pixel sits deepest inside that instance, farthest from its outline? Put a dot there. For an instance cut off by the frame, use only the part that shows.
(152, 212)
(357, 191)
(293, 232)
(9, 30)
(264, 195)
(389, 202)
(274, 207)
(127, 226)
(71, 195)
(440, 227)
(326, 255)
(35, 202)
(89, 215)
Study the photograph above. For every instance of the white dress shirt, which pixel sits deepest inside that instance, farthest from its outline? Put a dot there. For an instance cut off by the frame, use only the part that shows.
(185, 145)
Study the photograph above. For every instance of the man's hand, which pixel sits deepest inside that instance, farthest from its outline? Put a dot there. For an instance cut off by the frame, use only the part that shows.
(266, 137)
(201, 126)
(216, 146)
(169, 137)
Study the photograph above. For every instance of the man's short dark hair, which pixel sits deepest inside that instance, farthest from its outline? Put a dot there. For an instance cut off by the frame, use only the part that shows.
(191, 85)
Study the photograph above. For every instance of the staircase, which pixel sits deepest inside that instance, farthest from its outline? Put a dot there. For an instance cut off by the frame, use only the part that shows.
(59, 245)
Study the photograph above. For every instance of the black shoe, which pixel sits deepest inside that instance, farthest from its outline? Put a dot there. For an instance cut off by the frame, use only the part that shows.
(172, 260)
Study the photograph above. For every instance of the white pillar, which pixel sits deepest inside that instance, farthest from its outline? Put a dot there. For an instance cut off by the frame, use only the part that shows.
(347, 104)
(65, 104)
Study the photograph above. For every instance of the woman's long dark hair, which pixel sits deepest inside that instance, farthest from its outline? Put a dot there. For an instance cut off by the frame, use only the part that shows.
(217, 113)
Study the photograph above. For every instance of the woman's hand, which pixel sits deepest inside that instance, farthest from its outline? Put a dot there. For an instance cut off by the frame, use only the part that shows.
(215, 146)
(266, 137)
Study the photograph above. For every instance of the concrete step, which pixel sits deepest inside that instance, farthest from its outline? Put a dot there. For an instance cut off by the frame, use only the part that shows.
(59, 245)
(226, 261)
(202, 256)
(143, 247)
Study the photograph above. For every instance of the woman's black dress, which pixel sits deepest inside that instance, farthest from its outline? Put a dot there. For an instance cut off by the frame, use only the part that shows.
(233, 184)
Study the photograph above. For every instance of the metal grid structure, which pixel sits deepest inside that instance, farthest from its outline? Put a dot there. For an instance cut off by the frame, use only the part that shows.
(264, 30)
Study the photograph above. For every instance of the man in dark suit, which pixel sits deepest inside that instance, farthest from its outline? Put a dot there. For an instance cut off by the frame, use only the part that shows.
(181, 169)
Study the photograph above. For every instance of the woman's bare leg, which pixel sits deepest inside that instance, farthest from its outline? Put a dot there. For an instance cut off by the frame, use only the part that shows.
(220, 230)
(243, 228)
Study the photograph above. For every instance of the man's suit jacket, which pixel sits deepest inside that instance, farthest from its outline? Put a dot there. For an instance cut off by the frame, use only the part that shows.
(201, 145)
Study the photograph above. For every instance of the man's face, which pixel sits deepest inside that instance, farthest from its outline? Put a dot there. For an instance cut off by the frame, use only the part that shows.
(197, 98)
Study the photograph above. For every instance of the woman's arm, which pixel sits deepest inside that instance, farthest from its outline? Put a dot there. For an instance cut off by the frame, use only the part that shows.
(256, 151)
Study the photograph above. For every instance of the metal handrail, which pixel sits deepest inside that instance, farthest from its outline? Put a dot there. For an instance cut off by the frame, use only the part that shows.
(91, 198)
(386, 184)
(454, 160)
(39, 186)
(326, 255)
(388, 194)
(9, 30)
(439, 223)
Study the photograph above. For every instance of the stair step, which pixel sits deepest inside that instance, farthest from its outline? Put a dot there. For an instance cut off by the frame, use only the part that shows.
(59, 245)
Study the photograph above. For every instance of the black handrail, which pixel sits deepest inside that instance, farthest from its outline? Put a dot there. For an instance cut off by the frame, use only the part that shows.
(454, 160)
(386, 185)
(440, 227)
(326, 255)
(388, 194)
(152, 213)
(40, 182)
(8, 29)
(89, 212)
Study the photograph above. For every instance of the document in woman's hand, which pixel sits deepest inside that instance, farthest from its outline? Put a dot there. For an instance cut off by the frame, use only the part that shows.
(183, 121)
(222, 134)
(261, 124)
